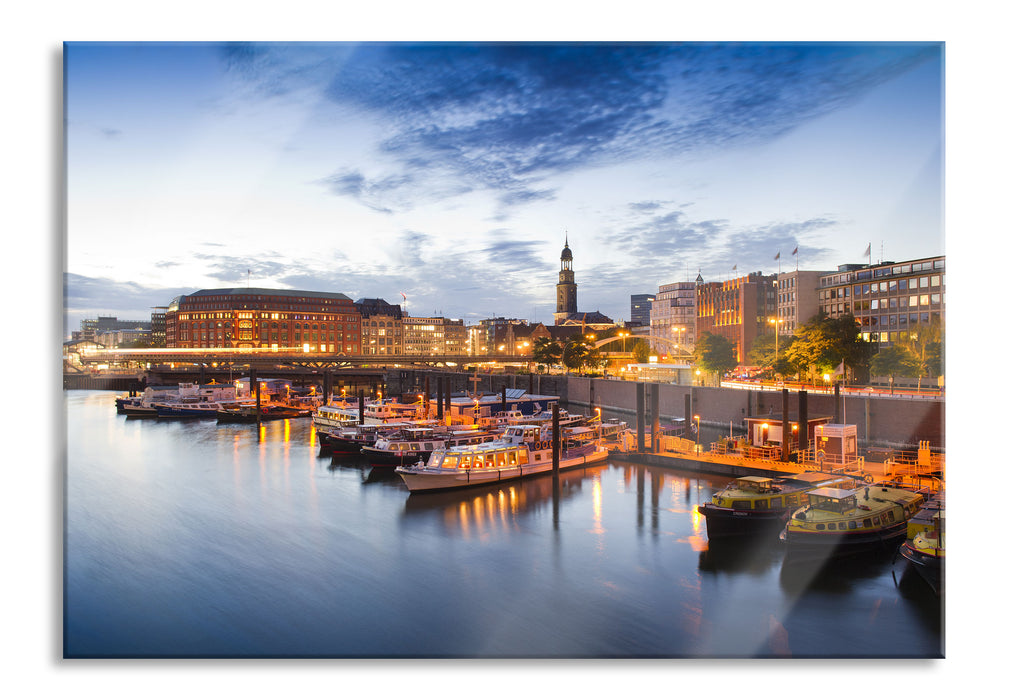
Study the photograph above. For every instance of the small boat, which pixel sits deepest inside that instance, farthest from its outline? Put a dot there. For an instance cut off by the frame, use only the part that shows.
(334, 416)
(351, 439)
(926, 551)
(410, 444)
(753, 505)
(839, 522)
(192, 408)
(521, 451)
(270, 412)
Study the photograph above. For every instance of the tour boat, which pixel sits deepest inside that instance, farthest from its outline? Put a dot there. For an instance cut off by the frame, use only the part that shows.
(521, 451)
(926, 551)
(840, 521)
(191, 408)
(409, 445)
(753, 505)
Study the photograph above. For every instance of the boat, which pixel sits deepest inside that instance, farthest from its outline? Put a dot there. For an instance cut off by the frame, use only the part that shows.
(335, 416)
(839, 522)
(190, 408)
(351, 439)
(270, 412)
(521, 451)
(926, 552)
(753, 505)
(410, 444)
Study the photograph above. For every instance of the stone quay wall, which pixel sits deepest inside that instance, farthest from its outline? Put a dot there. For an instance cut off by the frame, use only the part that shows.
(884, 421)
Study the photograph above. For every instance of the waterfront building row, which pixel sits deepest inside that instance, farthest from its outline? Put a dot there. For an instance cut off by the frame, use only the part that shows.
(890, 301)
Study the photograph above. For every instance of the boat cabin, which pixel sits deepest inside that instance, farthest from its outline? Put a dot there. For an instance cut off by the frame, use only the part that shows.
(833, 500)
(757, 484)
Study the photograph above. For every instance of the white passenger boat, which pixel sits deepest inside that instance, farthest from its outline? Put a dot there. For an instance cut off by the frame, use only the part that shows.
(523, 450)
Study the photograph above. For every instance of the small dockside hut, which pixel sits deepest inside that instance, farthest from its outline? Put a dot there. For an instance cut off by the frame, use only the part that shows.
(765, 431)
(838, 442)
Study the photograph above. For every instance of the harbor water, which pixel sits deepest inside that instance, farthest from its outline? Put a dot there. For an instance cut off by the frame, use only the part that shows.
(196, 539)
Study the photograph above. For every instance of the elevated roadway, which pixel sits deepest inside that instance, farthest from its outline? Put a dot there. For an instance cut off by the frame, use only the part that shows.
(262, 358)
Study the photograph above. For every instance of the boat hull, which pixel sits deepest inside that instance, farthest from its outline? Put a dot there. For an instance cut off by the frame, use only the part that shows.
(831, 544)
(928, 566)
(728, 522)
(426, 480)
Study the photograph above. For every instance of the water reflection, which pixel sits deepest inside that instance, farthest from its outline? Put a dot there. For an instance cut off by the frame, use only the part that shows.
(198, 538)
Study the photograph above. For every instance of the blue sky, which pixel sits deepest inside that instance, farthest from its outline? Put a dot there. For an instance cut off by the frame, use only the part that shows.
(451, 172)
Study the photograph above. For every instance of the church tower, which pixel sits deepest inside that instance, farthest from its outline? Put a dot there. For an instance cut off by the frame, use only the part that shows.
(567, 290)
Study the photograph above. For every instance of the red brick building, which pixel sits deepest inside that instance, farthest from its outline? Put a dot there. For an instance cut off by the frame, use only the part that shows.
(325, 322)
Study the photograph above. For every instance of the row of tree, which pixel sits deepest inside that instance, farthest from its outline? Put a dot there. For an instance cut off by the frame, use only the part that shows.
(823, 345)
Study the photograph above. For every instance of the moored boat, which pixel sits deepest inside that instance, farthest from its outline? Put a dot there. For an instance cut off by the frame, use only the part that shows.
(839, 522)
(410, 444)
(926, 552)
(753, 505)
(270, 412)
(521, 451)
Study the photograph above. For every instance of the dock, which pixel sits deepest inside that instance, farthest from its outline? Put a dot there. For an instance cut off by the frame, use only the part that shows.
(920, 468)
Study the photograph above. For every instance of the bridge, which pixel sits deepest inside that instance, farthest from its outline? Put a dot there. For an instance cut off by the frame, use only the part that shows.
(269, 358)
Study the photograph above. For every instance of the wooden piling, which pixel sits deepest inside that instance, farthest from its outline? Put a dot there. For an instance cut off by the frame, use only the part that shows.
(803, 420)
(655, 417)
(641, 416)
(786, 431)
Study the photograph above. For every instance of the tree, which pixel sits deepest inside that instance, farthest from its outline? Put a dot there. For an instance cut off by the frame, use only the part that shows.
(641, 350)
(895, 360)
(715, 353)
(575, 352)
(762, 354)
(935, 358)
(822, 343)
(546, 351)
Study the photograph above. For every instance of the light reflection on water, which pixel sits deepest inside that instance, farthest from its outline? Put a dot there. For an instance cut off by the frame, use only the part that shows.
(197, 539)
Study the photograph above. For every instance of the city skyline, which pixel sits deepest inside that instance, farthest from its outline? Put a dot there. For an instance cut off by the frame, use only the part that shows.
(450, 174)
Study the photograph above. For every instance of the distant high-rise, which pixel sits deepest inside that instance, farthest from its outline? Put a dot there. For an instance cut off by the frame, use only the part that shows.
(641, 308)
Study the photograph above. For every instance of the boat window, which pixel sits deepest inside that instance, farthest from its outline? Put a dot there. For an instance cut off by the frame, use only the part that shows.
(867, 522)
(831, 526)
(428, 446)
(842, 526)
(852, 525)
(465, 461)
(500, 459)
(819, 526)
(451, 461)
(511, 458)
(776, 502)
(742, 504)
(875, 520)
(761, 504)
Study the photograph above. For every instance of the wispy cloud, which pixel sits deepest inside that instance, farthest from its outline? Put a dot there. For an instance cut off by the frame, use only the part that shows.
(504, 117)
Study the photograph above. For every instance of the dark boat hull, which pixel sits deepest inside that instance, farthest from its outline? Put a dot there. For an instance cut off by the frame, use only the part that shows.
(929, 567)
(833, 544)
(728, 522)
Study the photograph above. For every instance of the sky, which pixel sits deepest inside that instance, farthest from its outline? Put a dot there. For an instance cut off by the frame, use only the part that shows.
(447, 176)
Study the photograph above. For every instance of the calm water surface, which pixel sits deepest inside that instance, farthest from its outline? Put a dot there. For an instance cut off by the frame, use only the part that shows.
(193, 539)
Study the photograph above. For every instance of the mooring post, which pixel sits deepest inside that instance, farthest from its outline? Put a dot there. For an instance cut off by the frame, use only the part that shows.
(327, 386)
(255, 383)
(655, 418)
(785, 429)
(641, 417)
(360, 406)
(803, 420)
(504, 398)
(441, 393)
(556, 446)
(837, 402)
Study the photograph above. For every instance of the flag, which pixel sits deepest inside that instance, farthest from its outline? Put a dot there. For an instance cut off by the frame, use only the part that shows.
(868, 251)
(778, 256)
(796, 251)
(733, 268)
(403, 295)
